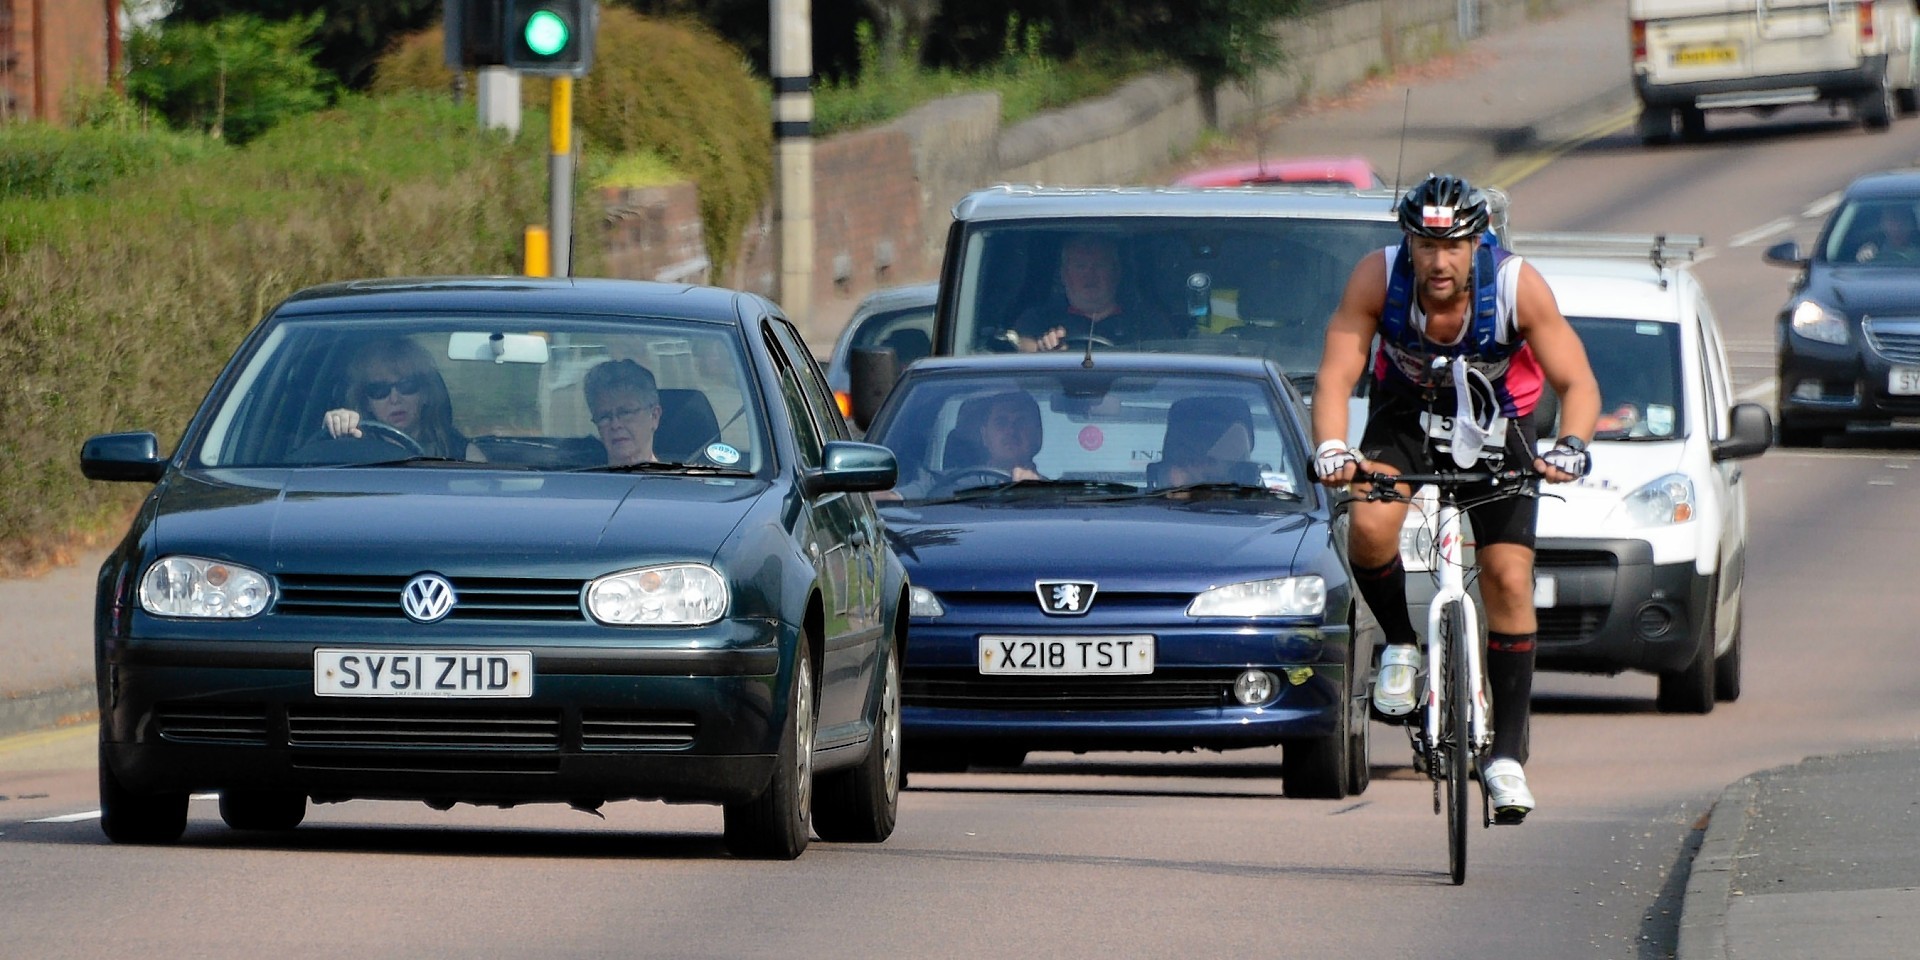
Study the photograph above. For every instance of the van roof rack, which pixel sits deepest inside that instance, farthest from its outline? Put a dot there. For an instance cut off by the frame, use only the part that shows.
(1660, 249)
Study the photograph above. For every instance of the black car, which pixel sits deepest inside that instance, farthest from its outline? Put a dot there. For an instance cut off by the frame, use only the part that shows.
(1849, 335)
(500, 540)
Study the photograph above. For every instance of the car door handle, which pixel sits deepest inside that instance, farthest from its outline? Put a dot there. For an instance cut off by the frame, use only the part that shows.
(859, 538)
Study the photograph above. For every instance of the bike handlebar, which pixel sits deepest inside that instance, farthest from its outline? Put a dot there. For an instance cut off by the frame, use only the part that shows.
(1385, 486)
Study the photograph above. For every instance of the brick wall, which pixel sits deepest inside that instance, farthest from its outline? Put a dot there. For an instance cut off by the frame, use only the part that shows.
(39, 70)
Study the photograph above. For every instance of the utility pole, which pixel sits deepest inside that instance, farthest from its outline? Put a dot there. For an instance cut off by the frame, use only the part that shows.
(792, 69)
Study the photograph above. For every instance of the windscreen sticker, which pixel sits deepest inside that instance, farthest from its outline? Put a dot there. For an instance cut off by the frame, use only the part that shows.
(1092, 438)
(1660, 419)
(1646, 329)
(722, 454)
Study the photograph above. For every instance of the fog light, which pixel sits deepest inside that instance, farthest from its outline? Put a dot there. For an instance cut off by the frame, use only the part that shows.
(1254, 687)
(1808, 390)
(1654, 621)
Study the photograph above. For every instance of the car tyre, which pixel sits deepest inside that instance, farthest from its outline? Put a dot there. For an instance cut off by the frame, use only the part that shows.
(924, 757)
(129, 816)
(1690, 689)
(1318, 768)
(1908, 100)
(275, 810)
(1360, 686)
(1693, 124)
(861, 805)
(1796, 434)
(1726, 669)
(774, 825)
(1655, 126)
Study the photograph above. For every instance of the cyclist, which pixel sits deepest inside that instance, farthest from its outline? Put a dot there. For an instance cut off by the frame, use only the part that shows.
(1449, 293)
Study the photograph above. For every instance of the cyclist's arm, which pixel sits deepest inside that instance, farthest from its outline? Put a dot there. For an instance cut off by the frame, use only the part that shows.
(1562, 357)
(1349, 343)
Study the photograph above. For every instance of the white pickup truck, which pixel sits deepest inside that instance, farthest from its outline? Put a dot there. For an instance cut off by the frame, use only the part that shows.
(1692, 56)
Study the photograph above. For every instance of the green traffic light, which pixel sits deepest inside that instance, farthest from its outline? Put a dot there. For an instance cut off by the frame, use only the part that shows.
(546, 33)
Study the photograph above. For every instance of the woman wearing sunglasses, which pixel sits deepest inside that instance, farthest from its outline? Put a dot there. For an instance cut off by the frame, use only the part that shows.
(393, 381)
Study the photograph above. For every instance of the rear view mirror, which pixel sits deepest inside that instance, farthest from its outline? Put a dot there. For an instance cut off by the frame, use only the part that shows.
(122, 456)
(1786, 253)
(871, 373)
(497, 347)
(1751, 435)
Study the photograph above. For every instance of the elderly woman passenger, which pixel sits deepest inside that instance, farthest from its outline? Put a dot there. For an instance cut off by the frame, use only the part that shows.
(624, 400)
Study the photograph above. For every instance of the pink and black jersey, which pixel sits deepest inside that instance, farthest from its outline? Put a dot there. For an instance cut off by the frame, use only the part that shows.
(1490, 341)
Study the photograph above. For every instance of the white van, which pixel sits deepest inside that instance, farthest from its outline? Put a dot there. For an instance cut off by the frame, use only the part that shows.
(1639, 565)
(1691, 56)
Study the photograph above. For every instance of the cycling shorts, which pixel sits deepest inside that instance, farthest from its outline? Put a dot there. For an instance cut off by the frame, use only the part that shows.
(1397, 436)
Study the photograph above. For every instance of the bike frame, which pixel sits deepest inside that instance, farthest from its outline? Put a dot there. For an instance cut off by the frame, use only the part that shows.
(1452, 588)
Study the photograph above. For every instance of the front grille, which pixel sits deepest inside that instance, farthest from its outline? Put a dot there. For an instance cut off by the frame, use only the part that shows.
(1896, 339)
(1569, 624)
(1546, 559)
(1104, 602)
(1068, 693)
(635, 731)
(374, 728)
(481, 763)
(480, 598)
(240, 723)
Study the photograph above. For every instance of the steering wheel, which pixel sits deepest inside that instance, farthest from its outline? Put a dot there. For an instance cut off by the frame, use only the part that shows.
(371, 429)
(957, 479)
(1079, 342)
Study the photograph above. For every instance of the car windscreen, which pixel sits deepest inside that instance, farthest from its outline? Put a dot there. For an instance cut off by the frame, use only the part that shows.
(1089, 433)
(1261, 286)
(1878, 232)
(1642, 395)
(521, 392)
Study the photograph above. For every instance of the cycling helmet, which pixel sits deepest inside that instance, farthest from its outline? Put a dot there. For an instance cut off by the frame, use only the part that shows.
(1444, 207)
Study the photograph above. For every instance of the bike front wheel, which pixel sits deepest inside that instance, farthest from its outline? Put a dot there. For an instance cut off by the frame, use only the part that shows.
(1456, 735)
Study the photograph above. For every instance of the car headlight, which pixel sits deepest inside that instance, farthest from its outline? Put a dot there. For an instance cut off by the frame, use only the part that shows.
(1815, 322)
(922, 603)
(670, 595)
(207, 589)
(1279, 597)
(1664, 501)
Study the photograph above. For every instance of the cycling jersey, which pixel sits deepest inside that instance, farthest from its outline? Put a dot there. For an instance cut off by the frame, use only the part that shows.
(1490, 340)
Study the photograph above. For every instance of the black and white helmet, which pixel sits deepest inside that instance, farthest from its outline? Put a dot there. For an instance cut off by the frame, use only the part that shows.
(1444, 207)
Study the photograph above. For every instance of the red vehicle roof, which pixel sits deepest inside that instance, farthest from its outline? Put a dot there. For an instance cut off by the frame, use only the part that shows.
(1353, 171)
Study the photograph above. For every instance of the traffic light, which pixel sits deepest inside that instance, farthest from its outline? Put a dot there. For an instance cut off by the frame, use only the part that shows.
(553, 37)
(475, 33)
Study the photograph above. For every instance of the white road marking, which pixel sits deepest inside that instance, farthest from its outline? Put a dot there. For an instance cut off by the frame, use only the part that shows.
(1758, 390)
(69, 818)
(1763, 232)
(1821, 207)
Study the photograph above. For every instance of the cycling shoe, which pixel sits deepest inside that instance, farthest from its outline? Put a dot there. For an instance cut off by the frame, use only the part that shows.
(1506, 786)
(1393, 688)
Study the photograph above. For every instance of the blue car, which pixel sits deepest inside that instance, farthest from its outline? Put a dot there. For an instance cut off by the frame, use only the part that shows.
(1116, 551)
(499, 541)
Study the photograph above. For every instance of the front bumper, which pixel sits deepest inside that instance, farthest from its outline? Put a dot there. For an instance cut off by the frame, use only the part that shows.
(1829, 385)
(1186, 703)
(1826, 85)
(1615, 609)
(603, 723)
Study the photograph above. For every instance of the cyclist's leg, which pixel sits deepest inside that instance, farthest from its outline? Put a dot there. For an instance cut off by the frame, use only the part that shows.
(1503, 531)
(1373, 548)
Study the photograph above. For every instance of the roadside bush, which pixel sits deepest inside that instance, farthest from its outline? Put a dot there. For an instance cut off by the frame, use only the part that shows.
(38, 160)
(119, 306)
(669, 88)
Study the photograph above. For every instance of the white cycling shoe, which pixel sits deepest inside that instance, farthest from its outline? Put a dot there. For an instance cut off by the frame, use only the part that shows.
(1393, 689)
(1507, 787)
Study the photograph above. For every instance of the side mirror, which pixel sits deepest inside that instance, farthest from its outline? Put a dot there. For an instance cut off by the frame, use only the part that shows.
(1752, 433)
(122, 456)
(1786, 253)
(853, 467)
(871, 373)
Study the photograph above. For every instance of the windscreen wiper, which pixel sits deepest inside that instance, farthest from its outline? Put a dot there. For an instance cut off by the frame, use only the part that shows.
(1214, 486)
(994, 489)
(656, 466)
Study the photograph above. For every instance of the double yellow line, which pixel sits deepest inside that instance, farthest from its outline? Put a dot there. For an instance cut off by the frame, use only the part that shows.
(1509, 172)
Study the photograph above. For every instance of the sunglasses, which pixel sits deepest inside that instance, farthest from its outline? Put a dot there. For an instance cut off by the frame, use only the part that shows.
(619, 413)
(378, 389)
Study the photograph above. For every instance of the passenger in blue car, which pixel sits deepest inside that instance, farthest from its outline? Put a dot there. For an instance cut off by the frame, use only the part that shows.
(1208, 440)
(394, 387)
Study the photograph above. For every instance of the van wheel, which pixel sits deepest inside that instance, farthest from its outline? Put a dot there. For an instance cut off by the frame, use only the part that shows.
(1908, 100)
(1690, 689)
(1875, 107)
(1655, 126)
(1693, 124)
(1726, 669)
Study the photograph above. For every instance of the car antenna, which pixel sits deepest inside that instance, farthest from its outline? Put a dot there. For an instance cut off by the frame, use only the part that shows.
(1405, 108)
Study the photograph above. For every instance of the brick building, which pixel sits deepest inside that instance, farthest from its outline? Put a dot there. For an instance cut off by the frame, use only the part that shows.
(48, 50)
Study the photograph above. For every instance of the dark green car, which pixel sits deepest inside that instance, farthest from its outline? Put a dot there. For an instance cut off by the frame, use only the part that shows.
(497, 541)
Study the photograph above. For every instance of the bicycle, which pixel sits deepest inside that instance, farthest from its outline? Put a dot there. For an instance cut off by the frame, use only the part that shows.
(1456, 726)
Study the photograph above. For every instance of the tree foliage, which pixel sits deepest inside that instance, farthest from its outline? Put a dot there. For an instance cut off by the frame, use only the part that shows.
(232, 78)
(350, 36)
